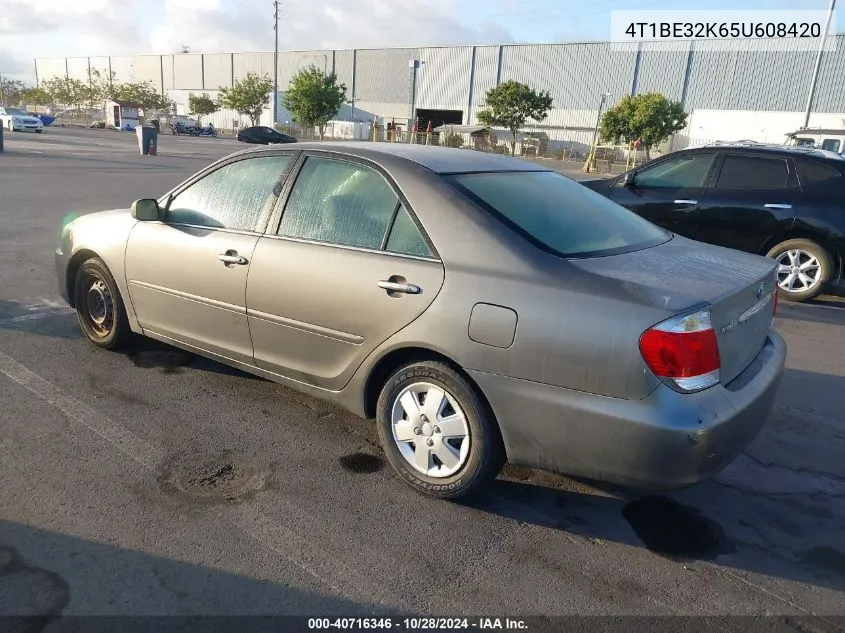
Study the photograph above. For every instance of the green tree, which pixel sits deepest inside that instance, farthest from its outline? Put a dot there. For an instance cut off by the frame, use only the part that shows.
(200, 105)
(650, 118)
(145, 95)
(103, 87)
(67, 92)
(10, 91)
(34, 96)
(511, 104)
(248, 96)
(314, 98)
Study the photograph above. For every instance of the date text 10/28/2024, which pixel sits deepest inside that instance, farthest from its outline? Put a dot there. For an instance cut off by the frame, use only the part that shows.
(417, 624)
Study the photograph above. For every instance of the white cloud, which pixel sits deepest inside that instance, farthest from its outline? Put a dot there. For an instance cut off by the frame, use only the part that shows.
(58, 28)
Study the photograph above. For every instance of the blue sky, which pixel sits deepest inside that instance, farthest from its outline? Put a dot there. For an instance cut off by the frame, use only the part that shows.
(59, 28)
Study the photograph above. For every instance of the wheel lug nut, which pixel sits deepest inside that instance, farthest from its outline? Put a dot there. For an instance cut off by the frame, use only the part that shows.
(430, 442)
(436, 429)
(417, 431)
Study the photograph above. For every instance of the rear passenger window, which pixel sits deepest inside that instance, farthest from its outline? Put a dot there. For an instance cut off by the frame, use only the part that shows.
(815, 172)
(831, 144)
(405, 236)
(339, 202)
(752, 172)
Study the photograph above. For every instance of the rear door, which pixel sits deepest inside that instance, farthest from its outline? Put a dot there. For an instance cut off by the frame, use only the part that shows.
(753, 197)
(347, 266)
(668, 192)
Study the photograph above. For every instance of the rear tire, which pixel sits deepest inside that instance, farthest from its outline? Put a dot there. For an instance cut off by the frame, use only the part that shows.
(99, 306)
(804, 269)
(454, 438)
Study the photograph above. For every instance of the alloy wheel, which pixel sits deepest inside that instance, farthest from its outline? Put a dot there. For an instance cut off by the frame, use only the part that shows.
(798, 270)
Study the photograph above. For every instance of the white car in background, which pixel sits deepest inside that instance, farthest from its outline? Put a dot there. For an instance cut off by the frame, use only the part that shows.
(14, 119)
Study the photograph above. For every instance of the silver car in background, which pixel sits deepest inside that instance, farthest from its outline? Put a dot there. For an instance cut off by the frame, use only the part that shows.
(479, 307)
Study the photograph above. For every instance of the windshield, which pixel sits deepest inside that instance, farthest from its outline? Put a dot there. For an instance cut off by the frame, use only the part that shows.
(558, 214)
(16, 112)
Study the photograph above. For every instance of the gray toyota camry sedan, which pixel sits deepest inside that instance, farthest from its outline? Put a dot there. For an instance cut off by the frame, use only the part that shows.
(480, 308)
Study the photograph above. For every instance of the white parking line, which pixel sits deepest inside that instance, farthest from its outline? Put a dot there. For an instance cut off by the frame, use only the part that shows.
(314, 559)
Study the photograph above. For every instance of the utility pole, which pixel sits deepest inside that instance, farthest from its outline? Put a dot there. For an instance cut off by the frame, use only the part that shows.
(276, 65)
(815, 78)
(604, 96)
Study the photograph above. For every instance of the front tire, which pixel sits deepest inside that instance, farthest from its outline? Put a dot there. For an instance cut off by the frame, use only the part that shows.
(804, 268)
(437, 432)
(99, 306)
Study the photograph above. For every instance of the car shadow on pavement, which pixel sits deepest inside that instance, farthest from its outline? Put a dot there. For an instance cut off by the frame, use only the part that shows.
(61, 582)
(147, 353)
(778, 510)
(826, 311)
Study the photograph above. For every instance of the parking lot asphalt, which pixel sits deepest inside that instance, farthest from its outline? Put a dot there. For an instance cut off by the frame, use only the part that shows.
(154, 482)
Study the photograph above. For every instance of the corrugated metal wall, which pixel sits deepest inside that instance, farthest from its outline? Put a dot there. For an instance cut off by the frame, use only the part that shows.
(382, 75)
(662, 68)
(124, 68)
(484, 77)
(344, 68)
(444, 78)
(217, 71)
(258, 63)
(770, 78)
(148, 69)
(187, 71)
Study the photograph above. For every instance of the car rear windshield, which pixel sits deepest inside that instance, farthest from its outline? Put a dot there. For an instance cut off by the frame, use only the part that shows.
(558, 214)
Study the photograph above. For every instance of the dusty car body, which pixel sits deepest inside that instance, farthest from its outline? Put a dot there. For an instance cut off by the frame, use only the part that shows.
(464, 329)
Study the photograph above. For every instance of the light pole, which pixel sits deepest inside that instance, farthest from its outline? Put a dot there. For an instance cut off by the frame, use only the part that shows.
(816, 68)
(604, 96)
(414, 65)
(276, 64)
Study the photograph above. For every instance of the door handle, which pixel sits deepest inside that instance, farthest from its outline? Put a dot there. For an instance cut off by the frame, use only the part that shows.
(392, 286)
(686, 201)
(778, 206)
(231, 257)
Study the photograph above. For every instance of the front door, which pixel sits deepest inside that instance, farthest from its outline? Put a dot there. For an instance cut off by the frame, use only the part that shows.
(348, 267)
(754, 198)
(187, 273)
(668, 193)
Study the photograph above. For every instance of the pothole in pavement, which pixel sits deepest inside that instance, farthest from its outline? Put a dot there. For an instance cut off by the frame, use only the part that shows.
(223, 478)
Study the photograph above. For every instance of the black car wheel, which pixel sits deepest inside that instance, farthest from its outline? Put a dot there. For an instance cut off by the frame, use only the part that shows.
(437, 433)
(99, 306)
(804, 268)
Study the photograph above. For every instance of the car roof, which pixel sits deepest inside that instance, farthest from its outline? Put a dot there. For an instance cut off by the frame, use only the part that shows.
(442, 160)
(761, 148)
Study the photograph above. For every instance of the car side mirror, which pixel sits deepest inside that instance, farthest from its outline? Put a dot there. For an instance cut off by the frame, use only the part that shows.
(146, 210)
(627, 180)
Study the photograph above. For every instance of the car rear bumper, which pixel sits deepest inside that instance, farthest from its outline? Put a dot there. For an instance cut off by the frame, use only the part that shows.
(665, 441)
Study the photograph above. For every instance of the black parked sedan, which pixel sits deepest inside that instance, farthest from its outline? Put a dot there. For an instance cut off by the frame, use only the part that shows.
(263, 135)
(784, 202)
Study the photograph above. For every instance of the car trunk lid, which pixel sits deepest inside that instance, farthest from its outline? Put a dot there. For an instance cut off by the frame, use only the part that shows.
(682, 274)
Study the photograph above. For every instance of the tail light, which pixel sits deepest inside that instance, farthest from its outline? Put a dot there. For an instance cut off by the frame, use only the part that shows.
(683, 350)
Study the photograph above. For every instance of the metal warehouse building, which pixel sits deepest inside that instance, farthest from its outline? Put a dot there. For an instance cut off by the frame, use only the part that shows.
(751, 89)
